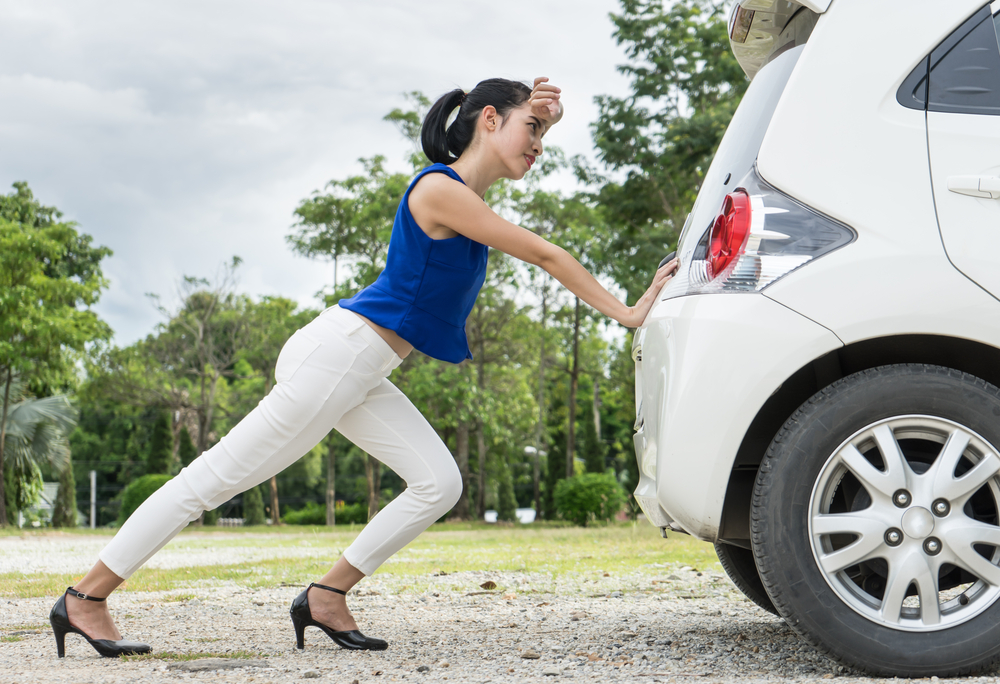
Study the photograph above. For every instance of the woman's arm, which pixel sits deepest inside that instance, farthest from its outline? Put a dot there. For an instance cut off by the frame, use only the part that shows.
(442, 201)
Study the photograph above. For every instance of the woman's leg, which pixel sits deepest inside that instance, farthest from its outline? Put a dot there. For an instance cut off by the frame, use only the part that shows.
(390, 428)
(324, 370)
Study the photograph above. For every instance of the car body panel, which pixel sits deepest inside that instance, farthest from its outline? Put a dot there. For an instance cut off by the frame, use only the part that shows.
(741, 347)
(896, 278)
(826, 123)
(962, 146)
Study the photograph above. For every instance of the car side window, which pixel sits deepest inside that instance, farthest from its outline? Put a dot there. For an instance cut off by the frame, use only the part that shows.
(964, 71)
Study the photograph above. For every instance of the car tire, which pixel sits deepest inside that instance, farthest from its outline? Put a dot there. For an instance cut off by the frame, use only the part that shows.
(742, 570)
(908, 424)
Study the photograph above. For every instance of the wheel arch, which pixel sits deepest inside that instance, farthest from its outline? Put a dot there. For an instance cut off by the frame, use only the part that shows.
(969, 356)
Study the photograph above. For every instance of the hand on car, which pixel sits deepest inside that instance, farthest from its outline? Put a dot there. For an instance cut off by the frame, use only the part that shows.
(637, 313)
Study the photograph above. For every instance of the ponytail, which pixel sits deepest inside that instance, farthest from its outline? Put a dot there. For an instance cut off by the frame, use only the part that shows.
(445, 144)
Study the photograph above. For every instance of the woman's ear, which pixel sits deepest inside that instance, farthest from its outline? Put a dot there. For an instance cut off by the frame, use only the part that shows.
(490, 118)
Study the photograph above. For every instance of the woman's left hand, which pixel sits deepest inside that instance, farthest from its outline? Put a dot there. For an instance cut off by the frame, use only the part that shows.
(545, 102)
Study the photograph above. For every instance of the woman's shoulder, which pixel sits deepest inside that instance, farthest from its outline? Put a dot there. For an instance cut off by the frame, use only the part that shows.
(437, 180)
(437, 170)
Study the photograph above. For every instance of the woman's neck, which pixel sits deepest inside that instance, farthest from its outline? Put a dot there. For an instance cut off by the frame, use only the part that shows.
(477, 171)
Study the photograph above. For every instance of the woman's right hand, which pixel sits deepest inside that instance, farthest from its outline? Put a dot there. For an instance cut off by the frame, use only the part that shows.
(545, 102)
(637, 313)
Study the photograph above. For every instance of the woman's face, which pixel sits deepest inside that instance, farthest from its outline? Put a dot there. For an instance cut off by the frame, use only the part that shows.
(518, 141)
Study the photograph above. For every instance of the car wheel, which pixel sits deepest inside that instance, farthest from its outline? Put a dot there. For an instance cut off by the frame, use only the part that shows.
(876, 521)
(742, 570)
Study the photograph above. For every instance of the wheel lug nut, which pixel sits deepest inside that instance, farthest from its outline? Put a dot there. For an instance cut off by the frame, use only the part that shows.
(901, 498)
(941, 508)
(932, 546)
(893, 536)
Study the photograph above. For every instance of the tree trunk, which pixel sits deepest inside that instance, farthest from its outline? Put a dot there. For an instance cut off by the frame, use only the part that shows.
(597, 416)
(461, 510)
(275, 511)
(480, 431)
(574, 379)
(540, 428)
(331, 490)
(275, 507)
(481, 491)
(373, 472)
(3, 439)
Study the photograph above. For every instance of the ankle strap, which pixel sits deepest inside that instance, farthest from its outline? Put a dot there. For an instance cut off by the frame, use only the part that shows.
(80, 595)
(323, 586)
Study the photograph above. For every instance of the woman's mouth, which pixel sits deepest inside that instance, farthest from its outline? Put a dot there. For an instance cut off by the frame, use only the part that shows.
(530, 159)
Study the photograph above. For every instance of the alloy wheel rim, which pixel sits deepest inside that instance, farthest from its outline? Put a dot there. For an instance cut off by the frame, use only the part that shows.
(904, 523)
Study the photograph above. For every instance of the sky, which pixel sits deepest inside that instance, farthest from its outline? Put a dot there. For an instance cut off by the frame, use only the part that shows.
(182, 133)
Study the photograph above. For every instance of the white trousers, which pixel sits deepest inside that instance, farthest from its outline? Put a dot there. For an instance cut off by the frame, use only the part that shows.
(330, 374)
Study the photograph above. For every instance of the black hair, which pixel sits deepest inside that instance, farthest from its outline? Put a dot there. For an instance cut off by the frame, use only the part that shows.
(444, 144)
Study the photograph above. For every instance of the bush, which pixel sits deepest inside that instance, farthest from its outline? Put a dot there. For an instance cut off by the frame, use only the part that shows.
(588, 497)
(253, 507)
(138, 491)
(350, 514)
(310, 514)
(315, 514)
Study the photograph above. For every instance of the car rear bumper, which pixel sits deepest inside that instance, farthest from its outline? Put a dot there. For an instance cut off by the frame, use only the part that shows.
(705, 365)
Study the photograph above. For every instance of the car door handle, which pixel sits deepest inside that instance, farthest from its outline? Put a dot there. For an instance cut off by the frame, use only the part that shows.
(986, 187)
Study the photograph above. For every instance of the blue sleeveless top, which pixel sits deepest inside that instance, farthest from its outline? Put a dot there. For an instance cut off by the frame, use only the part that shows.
(428, 287)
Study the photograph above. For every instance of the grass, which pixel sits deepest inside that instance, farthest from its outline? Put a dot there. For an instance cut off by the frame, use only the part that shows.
(554, 550)
(8, 639)
(168, 655)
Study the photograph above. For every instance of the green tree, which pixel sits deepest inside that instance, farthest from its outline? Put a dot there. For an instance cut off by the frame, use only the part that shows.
(161, 446)
(253, 507)
(201, 341)
(186, 450)
(593, 446)
(64, 513)
(49, 277)
(656, 143)
(36, 432)
(352, 220)
(506, 502)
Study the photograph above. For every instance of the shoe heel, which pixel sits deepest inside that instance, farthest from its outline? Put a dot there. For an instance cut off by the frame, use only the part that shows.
(60, 640)
(300, 631)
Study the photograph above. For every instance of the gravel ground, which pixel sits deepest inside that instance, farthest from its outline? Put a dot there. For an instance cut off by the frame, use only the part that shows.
(668, 623)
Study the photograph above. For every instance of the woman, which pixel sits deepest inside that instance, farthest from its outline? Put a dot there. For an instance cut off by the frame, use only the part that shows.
(333, 372)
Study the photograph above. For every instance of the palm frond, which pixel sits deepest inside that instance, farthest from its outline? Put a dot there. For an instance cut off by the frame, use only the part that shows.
(56, 410)
(17, 390)
(37, 430)
(50, 444)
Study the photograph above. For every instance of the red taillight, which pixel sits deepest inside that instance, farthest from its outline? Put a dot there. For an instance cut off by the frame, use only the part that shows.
(729, 231)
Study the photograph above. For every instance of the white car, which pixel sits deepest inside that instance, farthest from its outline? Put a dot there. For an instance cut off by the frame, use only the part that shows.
(816, 390)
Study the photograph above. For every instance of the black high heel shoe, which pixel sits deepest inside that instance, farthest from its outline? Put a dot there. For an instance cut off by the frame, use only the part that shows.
(350, 639)
(108, 648)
